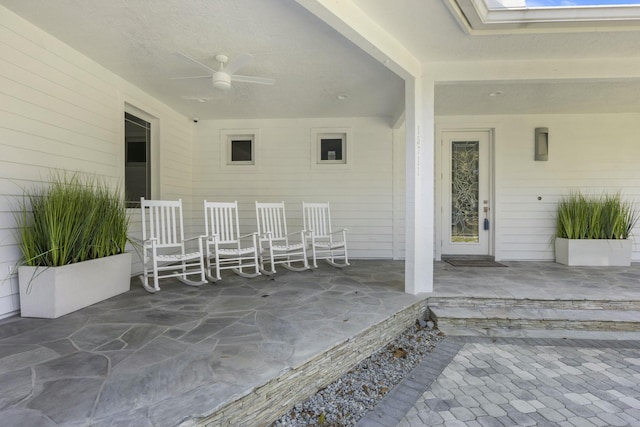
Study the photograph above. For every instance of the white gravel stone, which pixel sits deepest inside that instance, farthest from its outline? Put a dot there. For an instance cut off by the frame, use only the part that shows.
(345, 401)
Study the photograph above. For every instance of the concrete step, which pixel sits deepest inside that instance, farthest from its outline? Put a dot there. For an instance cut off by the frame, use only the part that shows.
(556, 304)
(536, 322)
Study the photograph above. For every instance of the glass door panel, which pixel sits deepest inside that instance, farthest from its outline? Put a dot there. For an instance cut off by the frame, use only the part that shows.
(465, 221)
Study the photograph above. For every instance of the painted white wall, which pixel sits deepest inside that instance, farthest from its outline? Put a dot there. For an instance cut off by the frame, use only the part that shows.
(60, 110)
(591, 153)
(361, 192)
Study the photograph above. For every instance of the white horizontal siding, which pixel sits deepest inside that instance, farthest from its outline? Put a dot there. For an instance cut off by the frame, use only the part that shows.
(361, 194)
(591, 153)
(61, 111)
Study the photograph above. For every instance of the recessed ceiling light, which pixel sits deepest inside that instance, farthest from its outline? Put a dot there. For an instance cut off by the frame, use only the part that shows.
(342, 97)
(496, 93)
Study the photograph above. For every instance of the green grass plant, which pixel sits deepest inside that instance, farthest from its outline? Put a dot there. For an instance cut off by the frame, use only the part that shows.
(595, 217)
(73, 218)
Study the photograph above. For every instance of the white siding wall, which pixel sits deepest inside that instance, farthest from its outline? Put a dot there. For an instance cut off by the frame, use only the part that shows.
(59, 110)
(591, 153)
(361, 194)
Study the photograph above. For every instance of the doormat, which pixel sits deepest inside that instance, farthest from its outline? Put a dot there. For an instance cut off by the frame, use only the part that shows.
(472, 262)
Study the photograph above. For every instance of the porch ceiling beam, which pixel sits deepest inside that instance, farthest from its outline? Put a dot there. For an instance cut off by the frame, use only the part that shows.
(350, 21)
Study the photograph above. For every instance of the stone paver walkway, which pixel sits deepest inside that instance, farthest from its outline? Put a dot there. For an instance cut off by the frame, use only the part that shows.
(480, 382)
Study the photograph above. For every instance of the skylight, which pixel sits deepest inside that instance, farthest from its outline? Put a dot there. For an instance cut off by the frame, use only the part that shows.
(498, 16)
(562, 3)
(530, 4)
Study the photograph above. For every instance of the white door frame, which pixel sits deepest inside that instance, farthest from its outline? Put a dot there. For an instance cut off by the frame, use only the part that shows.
(440, 190)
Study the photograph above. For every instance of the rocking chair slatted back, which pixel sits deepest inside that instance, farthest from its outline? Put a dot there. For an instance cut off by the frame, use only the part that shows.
(222, 219)
(271, 219)
(162, 220)
(317, 218)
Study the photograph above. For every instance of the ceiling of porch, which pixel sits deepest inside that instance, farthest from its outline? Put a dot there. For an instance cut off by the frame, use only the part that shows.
(318, 72)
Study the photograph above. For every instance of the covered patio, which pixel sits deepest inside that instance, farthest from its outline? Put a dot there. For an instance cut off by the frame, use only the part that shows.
(242, 351)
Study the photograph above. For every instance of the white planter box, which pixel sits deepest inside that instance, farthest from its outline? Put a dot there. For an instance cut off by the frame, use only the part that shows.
(52, 292)
(597, 252)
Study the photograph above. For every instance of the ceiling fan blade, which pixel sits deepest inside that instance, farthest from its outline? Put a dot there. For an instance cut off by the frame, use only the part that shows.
(208, 76)
(237, 63)
(206, 67)
(252, 79)
(198, 98)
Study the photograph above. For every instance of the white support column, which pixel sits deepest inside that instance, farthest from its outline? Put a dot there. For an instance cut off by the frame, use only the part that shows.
(420, 127)
(350, 21)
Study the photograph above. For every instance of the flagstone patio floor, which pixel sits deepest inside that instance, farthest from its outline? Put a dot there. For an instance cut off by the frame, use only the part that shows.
(179, 355)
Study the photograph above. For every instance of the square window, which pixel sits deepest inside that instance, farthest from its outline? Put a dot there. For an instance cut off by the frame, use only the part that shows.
(332, 148)
(241, 150)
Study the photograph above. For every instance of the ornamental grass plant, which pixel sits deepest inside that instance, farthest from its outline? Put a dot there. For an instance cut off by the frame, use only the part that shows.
(73, 218)
(595, 217)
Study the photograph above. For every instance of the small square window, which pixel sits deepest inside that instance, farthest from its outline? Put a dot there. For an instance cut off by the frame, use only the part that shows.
(241, 150)
(332, 148)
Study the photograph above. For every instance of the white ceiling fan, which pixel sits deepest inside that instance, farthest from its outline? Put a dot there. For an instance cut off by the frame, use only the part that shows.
(224, 75)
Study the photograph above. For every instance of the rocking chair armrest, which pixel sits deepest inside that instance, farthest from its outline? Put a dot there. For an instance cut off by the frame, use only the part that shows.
(341, 231)
(301, 232)
(152, 241)
(266, 235)
(201, 239)
(194, 238)
(344, 230)
(213, 236)
(244, 236)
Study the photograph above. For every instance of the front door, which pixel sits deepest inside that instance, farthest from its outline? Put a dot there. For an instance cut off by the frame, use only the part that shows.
(466, 207)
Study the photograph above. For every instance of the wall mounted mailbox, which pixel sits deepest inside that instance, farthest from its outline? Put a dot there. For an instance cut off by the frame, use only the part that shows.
(542, 144)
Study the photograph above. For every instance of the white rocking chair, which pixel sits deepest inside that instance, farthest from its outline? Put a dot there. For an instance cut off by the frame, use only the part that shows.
(223, 243)
(163, 245)
(325, 244)
(274, 240)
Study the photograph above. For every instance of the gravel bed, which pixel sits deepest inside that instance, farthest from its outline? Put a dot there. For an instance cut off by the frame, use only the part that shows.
(350, 397)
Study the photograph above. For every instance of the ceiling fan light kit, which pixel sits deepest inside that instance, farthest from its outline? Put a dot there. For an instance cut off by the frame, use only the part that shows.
(221, 80)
